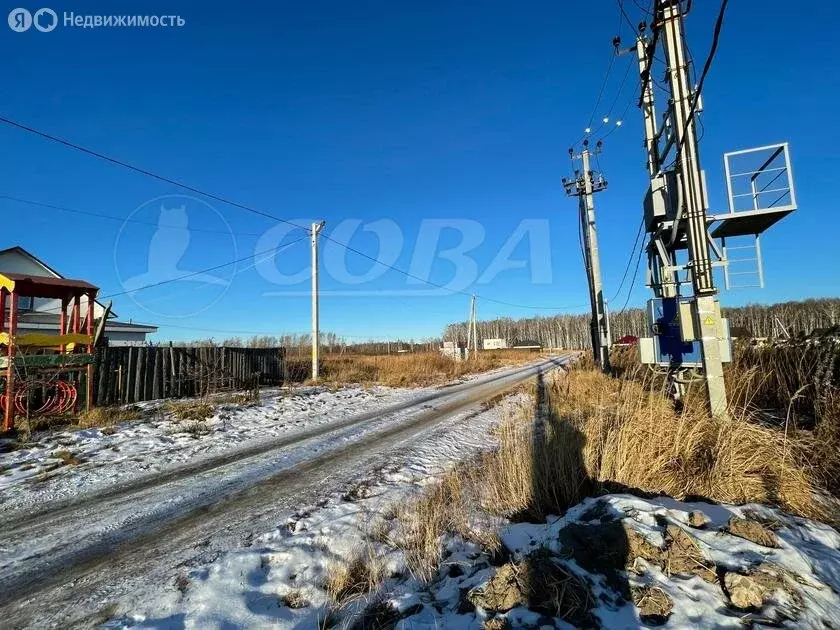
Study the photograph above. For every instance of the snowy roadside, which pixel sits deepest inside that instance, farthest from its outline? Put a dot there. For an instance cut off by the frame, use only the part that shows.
(61, 464)
(244, 587)
(617, 561)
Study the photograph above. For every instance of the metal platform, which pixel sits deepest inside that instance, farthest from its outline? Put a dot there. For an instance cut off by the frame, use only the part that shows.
(759, 185)
(747, 223)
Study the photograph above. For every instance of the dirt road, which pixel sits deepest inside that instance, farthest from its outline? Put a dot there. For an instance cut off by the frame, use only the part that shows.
(64, 563)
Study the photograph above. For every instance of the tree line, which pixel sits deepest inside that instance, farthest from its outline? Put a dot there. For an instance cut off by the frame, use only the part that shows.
(558, 331)
(300, 344)
(572, 331)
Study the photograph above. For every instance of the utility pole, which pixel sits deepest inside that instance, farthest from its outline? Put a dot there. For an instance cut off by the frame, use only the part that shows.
(675, 212)
(660, 260)
(315, 231)
(705, 307)
(472, 330)
(584, 186)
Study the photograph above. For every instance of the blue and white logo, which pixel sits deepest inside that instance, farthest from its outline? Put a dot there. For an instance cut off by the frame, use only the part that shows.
(45, 20)
(20, 20)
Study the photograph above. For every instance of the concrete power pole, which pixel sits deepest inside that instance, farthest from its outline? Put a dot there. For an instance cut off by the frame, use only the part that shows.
(705, 306)
(473, 329)
(584, 186)
(660, 260)
(676, 206)
(315, 231)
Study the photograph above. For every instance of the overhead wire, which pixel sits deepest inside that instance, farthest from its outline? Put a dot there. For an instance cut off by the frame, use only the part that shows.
(111, 217)
(623, 14)
(643, 8)
(143, 171)
(706, 67)
(633, 282)
(597, 100)
(191, 274)
(629, 260)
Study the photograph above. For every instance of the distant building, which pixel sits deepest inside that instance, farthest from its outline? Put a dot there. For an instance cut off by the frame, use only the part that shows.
(527, 344)
(39, 314)
(456, 350)
(494, 344)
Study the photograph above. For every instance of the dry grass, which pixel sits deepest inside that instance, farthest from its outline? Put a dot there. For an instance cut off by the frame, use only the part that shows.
(795, 376)
(67, 458)
(404, 370)
(793, 388)
(530, 475)
(583, 433)
(355, 578)
(237, 398)
(423, 523)
(195, 410)
(615, 434)
(294, 599)
(445, 508)
(107, 416)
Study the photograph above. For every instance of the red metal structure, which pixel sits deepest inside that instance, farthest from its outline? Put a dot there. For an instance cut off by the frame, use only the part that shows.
(50, 368)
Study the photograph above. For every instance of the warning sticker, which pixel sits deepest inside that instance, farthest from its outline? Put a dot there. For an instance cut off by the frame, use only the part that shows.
(709, 321)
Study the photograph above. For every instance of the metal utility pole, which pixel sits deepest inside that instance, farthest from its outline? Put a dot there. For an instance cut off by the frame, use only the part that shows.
(584, 186)
(315, 231)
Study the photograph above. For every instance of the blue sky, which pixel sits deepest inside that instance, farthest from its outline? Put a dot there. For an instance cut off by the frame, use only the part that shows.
(388, 112)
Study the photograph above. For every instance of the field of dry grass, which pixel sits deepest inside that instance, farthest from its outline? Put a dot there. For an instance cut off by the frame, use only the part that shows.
(418, 369)
(794, 388)
(585, 433)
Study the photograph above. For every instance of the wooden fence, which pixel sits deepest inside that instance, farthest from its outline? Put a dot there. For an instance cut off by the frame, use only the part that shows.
(134, 374)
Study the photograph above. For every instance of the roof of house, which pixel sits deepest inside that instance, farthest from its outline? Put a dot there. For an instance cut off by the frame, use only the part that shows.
(17, 249)
(31, 285)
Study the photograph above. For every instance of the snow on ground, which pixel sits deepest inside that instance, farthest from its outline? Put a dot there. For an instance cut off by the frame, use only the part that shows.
(103, 456)
(278, 581)
(244, 586)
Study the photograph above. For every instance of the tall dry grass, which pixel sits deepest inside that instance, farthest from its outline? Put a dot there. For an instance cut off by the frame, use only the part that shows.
(403, 370)
(583, 433)
(794, 377)
(606, 434)
(794, 388)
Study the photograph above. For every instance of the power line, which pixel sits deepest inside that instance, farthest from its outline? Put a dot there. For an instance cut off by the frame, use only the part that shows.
(629, 260)
(633, 283)
(444, 287)
(643, 8)
(143, 171)
(625, 16)
(111, 217)
(600, 96)
(706, 66)
(608, 115)
(188, 275)
(215, 197)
